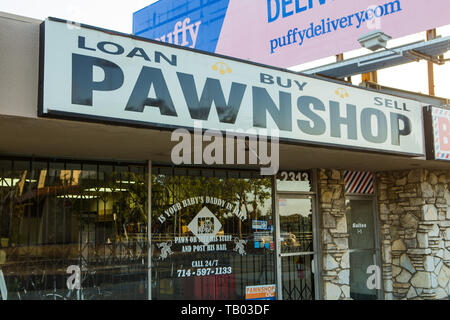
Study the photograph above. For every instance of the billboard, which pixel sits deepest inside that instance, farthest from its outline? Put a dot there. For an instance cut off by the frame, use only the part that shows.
(284, 33)
(91, 74)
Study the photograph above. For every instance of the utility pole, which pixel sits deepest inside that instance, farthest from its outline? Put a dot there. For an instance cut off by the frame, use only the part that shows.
(431, 34)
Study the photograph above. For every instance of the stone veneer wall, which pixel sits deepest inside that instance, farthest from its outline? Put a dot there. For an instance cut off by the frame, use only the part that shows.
(414, 209)
(334, 236)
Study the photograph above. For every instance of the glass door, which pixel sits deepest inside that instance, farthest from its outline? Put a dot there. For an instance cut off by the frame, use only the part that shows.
(363, 249)
(295, 247)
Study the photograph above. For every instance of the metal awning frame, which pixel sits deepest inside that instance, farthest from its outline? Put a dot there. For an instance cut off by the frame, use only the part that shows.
(387, 58)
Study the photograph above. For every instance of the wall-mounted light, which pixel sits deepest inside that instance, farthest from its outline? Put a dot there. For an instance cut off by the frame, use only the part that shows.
(104, 190)
(125, 182)
(374, 40)
(76, 196)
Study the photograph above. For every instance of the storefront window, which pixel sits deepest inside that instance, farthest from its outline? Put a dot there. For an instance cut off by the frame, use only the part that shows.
(212, 234)
(72, 231)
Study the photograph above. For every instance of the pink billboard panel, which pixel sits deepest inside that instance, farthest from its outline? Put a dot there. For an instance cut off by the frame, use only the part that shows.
(285, 33)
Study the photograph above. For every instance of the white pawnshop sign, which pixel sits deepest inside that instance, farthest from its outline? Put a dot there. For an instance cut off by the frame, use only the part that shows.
(93, 74)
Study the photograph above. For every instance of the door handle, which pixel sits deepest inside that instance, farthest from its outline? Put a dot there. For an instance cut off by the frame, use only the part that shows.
(313, 267)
